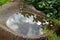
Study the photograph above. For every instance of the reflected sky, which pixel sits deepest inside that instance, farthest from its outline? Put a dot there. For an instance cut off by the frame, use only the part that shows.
(24, 25)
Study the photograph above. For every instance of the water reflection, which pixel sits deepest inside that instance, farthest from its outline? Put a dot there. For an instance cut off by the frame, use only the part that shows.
(24, 25)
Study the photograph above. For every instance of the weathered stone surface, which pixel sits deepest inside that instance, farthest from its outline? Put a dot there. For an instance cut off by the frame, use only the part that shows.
(5, 11)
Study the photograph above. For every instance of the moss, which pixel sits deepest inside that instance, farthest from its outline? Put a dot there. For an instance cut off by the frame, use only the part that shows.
(4, 1)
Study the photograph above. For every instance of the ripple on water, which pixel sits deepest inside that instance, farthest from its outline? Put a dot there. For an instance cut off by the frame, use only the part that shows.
(24, 25)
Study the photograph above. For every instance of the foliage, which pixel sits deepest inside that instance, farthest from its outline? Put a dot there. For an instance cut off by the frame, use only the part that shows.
(50, 7)
(52, 10)
(53, 36)
(3, 2)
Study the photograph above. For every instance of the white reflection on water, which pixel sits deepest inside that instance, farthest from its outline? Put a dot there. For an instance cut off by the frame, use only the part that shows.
(24, 25)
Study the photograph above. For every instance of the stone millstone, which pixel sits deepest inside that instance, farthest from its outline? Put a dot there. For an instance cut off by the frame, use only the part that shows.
(6, 11)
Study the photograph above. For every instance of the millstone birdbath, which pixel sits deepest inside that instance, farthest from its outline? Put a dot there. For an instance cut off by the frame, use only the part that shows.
(15, 25)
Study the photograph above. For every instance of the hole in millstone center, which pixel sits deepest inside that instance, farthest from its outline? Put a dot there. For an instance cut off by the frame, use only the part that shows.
(23, 25)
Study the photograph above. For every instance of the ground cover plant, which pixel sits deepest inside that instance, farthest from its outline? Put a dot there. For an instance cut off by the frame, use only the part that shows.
(3, 2)
(51, 9)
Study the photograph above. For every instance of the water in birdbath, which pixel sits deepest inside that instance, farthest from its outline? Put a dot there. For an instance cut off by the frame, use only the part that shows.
(24, 25)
